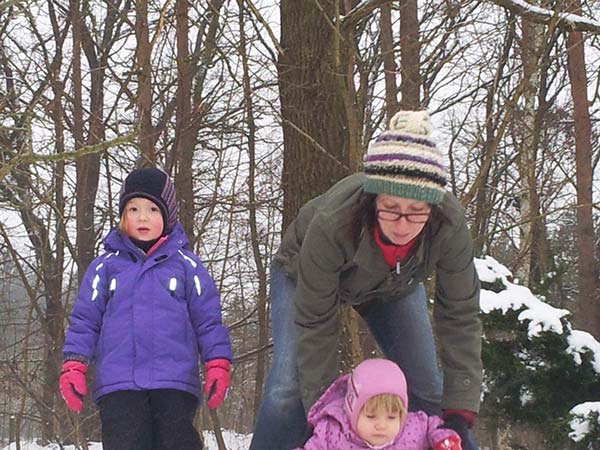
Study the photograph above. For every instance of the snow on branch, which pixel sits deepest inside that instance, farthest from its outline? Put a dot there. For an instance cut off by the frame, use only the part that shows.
(568, 21)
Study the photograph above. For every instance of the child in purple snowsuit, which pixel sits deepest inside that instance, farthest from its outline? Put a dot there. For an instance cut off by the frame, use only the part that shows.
(147, 313)
(368, 409)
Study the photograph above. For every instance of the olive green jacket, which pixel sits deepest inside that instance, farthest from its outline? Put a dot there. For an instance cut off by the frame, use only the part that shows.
(331, 265)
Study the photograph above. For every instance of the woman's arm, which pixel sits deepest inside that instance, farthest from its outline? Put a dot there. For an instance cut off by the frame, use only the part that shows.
(457, 322)
(317, 312)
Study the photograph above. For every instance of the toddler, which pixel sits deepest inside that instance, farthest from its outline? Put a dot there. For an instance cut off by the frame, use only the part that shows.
(368, 409)
(147, 311)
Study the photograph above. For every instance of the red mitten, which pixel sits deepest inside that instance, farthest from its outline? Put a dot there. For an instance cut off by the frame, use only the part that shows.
(72, 384)
(449, 443)
(217, 381)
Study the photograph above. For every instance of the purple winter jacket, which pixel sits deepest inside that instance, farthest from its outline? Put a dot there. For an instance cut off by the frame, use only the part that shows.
(146, 319)
(332, 428)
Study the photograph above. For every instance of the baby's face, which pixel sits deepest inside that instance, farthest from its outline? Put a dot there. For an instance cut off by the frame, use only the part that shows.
(378, 426)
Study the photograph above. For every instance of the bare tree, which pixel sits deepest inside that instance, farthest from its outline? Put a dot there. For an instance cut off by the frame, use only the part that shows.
(588, 316)
(410, 66)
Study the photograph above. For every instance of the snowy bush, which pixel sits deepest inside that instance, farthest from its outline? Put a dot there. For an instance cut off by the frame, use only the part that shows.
(585, 423)
(537, 368)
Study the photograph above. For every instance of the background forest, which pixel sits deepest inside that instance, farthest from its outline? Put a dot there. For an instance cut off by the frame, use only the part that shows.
(256, 106)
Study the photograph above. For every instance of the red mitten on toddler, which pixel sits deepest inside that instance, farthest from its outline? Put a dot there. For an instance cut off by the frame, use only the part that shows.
(72, 384)
(217, 381)
(449, 443)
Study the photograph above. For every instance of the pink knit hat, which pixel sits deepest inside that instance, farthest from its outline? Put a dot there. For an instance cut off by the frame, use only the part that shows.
(370, 378)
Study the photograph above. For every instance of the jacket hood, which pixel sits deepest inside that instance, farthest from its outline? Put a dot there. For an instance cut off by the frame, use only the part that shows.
(331, 402)
(370, 378)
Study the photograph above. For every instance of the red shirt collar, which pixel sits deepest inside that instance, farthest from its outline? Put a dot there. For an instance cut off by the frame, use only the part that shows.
(392, 253)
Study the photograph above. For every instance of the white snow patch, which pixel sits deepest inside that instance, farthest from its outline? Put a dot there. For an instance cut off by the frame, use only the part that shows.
(233, 441)
(581, 424)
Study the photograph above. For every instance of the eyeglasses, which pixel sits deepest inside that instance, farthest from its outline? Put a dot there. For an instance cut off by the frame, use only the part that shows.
(393, 216)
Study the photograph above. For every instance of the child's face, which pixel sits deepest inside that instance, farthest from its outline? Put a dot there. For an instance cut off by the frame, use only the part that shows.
(143, 219)
(378, 426)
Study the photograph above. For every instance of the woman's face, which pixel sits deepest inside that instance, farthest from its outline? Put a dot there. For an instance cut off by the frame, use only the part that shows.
(401, 219)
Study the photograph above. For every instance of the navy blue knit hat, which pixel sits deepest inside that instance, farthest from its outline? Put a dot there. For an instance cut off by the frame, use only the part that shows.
(154, 185)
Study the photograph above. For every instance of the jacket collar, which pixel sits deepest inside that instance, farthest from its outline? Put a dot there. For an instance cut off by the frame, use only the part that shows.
(368, 254)
(116, 240)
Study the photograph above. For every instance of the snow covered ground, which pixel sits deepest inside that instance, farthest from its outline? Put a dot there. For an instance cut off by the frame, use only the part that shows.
(233, 441)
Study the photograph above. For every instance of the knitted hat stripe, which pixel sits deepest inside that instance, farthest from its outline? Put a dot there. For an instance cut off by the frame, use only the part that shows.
(402, 179)
(431, 193)
(393, 147)
(385, 157)
(393, 168)
(404, 152)
(407, 172)
(405, 138)
(168, 195)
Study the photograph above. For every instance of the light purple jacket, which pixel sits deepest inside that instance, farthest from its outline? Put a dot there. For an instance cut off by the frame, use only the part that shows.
(145, 320)
(332, 428)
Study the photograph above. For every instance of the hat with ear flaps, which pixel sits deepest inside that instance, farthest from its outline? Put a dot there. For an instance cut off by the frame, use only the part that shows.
(404, 162)
(153, 184)
(373, 377)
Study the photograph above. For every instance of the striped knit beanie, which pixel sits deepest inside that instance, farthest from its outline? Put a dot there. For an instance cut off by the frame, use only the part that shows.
(155, 185)
(404, 162)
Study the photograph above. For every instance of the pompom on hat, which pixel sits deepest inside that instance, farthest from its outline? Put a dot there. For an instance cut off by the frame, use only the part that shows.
(404, 162)
(370, 378)
(154, 185)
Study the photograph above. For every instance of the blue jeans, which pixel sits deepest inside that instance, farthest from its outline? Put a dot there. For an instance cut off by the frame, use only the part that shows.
(403, 332)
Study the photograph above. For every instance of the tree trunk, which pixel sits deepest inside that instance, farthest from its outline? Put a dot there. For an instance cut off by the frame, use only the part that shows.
(261, 301)
(587, 315)
(321, 129)
(410, 48)
(88, 166)
(389, 62)
(311, 87)
(528, 199)
(185, 138)
(144, 75)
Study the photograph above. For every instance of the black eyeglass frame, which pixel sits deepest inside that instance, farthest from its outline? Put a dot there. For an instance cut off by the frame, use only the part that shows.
(394, 216)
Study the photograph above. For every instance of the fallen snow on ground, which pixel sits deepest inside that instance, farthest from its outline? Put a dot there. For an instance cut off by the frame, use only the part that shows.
(233, 441)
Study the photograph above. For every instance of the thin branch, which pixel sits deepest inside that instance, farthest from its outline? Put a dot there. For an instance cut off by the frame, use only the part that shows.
(361, 12)
(29, 158)
(256, 13)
